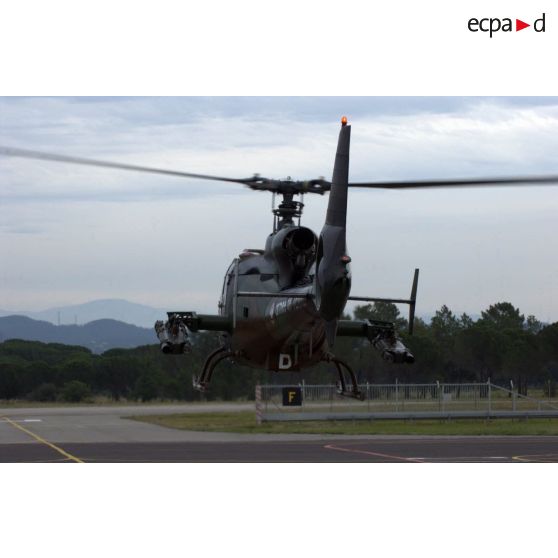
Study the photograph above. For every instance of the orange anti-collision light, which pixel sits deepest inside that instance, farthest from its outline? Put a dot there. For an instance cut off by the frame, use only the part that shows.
(343, 121)
(346, 259)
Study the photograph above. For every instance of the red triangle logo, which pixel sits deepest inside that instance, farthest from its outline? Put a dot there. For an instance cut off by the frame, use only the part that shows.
(519, 25)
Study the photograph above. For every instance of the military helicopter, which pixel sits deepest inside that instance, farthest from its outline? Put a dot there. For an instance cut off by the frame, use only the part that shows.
(281, 307)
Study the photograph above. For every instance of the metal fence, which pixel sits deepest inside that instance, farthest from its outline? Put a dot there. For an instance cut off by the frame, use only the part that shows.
(413, 401)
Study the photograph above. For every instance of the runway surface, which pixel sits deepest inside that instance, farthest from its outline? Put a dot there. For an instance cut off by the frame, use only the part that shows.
(100, 434)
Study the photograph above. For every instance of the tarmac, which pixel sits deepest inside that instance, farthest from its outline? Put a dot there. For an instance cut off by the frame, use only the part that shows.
(103, 434)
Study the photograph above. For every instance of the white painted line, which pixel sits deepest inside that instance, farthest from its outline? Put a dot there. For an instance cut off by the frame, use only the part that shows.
(23, 420)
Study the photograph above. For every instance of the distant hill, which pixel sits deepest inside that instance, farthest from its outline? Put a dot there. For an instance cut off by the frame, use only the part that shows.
(124, 311)
(111, 309)
(98, 336)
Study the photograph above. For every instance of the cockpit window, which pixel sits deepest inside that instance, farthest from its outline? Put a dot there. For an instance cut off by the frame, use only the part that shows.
(253, 271)
(226, 281)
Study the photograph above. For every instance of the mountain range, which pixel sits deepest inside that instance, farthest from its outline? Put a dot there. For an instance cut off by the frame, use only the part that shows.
(98, 325)
(123, 311)
(111, 309)
(98, 336)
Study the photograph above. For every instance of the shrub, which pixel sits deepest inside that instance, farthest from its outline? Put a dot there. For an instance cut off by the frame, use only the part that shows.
(146, 388)
(75, 391)
(44, 392)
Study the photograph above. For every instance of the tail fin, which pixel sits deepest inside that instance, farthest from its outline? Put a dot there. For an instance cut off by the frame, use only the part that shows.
(413, 302)
(333, 278)
(337, 206)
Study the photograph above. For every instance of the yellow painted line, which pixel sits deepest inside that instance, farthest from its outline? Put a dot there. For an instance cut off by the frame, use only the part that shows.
(537, 458)
(43, 441)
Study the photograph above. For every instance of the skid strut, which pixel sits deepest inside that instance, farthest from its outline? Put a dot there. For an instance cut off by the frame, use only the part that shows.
(201, 382)
(342, 390)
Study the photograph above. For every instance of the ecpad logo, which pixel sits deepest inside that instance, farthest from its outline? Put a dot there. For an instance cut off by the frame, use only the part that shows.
(493, 25)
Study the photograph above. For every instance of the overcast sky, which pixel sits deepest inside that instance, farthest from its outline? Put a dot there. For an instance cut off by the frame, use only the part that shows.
(72, 234)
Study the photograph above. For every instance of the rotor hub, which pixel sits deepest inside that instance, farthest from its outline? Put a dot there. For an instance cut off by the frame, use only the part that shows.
(288, 186)
(287, 211)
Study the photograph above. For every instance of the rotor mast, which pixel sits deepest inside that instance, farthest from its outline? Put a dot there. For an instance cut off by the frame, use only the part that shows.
(287, 211)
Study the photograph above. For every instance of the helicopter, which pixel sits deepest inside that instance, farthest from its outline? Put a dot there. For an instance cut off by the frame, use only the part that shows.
(281, 307)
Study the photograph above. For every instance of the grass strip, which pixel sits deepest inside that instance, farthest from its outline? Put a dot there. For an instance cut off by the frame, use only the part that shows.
(245, 422)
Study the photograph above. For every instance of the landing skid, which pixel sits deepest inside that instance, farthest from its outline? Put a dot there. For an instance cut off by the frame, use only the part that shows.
(342, 390)
(201, 382)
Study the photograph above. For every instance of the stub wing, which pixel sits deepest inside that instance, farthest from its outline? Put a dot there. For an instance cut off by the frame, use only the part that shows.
(173, 334)
(382, 336)
(412, 301)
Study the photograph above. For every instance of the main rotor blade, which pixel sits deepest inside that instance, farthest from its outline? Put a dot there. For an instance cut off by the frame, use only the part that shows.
(29, 154)
(262, 183)
(465, 182)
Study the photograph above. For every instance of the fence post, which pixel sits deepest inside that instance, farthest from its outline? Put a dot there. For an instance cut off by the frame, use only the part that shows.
(439, 395)
(489, 397)
(476, 388)
(258, 404)
(368, 395)
(396, 395)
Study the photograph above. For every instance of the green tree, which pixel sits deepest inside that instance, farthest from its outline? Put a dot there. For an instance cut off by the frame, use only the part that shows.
(503, 315)
(382, 311)
(466, 321)
(521, 358)
(10, 386)
(147, 387)
(429, 363)
(118, 371)
(445, 324)
(478, 349)
(77, 368)
(532, 325)
(548, 342)
(445, 327)
(75, 391)
(44, 392)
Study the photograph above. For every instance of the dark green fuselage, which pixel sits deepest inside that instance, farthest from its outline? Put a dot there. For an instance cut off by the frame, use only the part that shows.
(281, 329)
